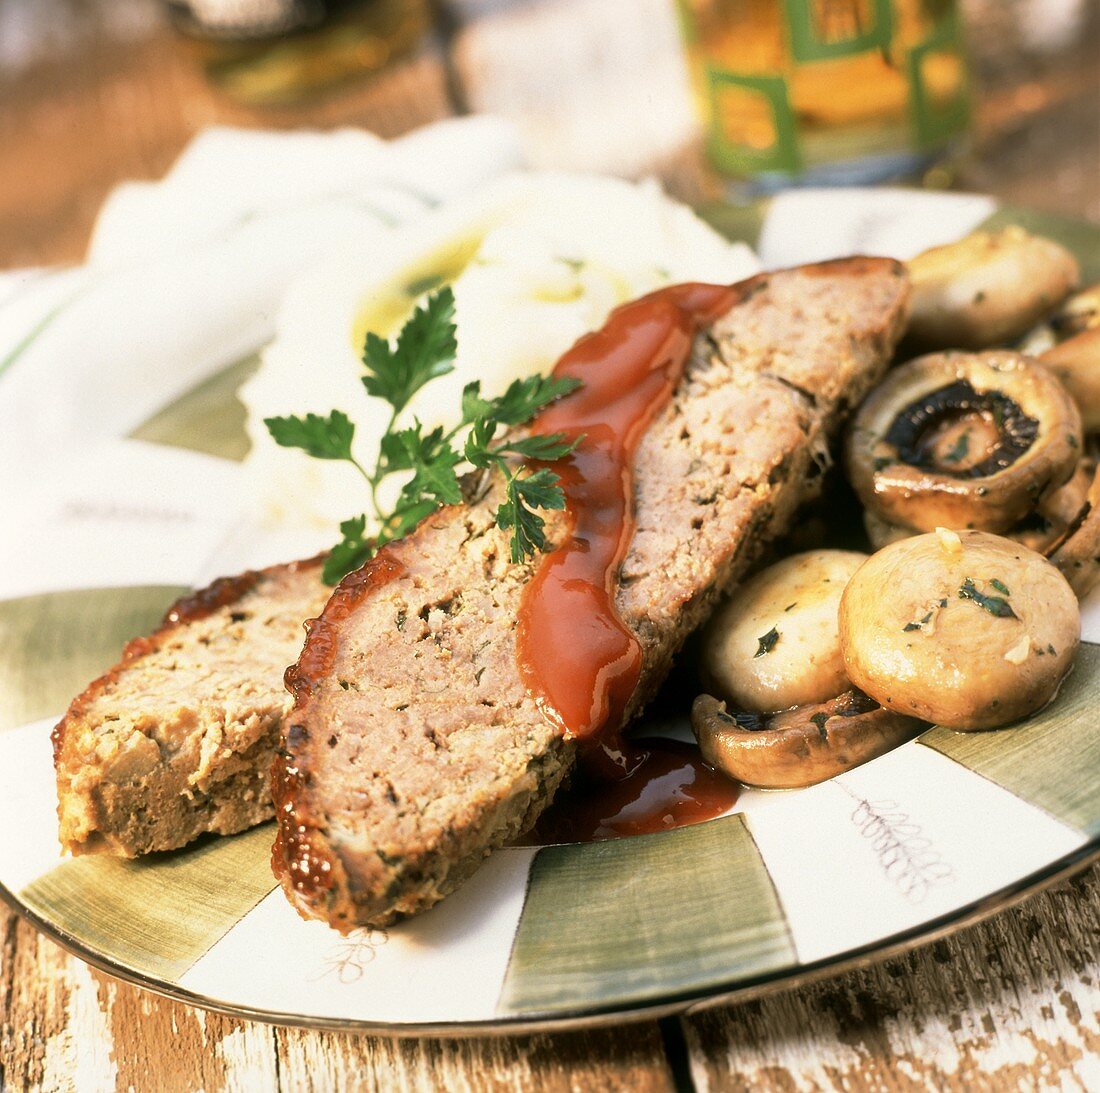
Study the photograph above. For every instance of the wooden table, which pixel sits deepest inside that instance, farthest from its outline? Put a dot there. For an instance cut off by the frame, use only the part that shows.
(104, 92)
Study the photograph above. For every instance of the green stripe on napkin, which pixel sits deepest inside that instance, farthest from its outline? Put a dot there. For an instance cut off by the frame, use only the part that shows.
(210, 418)
(738, 223)
(159, 914)
(52, 645)
(622, 922)
(1051, 760)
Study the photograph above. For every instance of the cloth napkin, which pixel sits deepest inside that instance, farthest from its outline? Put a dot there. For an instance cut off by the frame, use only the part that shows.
(183, 276)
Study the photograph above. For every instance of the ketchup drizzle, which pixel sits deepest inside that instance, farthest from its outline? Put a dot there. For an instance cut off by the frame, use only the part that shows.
(575, 654)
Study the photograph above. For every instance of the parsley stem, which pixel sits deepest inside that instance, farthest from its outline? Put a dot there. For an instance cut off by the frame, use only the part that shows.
(359, 467)
(375, 504)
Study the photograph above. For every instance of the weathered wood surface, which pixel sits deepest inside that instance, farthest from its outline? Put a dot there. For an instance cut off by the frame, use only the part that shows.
(1009, 1004)
(64, 1026)
(118, 97)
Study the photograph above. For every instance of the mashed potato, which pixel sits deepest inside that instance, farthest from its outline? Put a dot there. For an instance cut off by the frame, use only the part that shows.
(535, 262)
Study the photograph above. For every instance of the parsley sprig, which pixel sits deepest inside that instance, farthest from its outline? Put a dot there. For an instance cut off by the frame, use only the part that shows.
(432, 460)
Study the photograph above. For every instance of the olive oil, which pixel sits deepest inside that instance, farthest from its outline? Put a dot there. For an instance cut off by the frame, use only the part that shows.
(823, 90)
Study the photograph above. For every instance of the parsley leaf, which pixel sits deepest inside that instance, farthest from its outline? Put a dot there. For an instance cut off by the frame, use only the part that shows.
(524, 495)
(474, 407)
(478, 439)
(436, 479)
(350, 553)
(432, 460)
(545, 448)
(322, 437)
(423, 350)
(407, 513)
(524, 398)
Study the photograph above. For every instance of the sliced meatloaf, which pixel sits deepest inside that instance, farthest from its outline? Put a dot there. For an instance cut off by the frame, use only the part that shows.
(414, 748)
(177, 739)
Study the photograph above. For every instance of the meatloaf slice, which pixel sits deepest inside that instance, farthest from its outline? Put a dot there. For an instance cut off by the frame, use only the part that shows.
(414, 748)
(177, 739)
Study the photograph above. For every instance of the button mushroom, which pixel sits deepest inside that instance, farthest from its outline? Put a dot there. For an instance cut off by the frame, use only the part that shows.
(1068, 343)
(987, 289)
(775, 643)
(1043, 530)
(1076, 362)
(965, 629)
(963, 440)
(798, 747)
(1078, 554)
(1079, 313)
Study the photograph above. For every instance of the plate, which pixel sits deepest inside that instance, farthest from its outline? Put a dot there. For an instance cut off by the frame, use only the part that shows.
(791, 884)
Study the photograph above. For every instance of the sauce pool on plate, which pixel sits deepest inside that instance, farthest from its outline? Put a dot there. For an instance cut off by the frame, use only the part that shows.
(671, 787)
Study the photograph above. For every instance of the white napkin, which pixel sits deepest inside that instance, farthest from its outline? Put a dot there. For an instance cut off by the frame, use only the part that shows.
(184, 276)
(813, 224)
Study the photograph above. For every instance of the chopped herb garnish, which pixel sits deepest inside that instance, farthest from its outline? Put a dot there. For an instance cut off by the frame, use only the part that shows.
(995, 605)
(766, 643)
(960, 450)
(1000, 587)
(394, 372)
(923, 621)
(790, 607)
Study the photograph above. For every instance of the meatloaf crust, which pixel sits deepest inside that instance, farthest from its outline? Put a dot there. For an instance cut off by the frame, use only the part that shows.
(414, 748)
(177, 738)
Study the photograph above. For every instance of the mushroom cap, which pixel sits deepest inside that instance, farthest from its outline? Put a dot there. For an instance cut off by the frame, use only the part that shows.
(966, 629)
(1076, 362)
(799, 747)
(1078, 313)
(1055, 517)
(797, 599)
(1078, 554)
(987, 289)
(911, 458)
